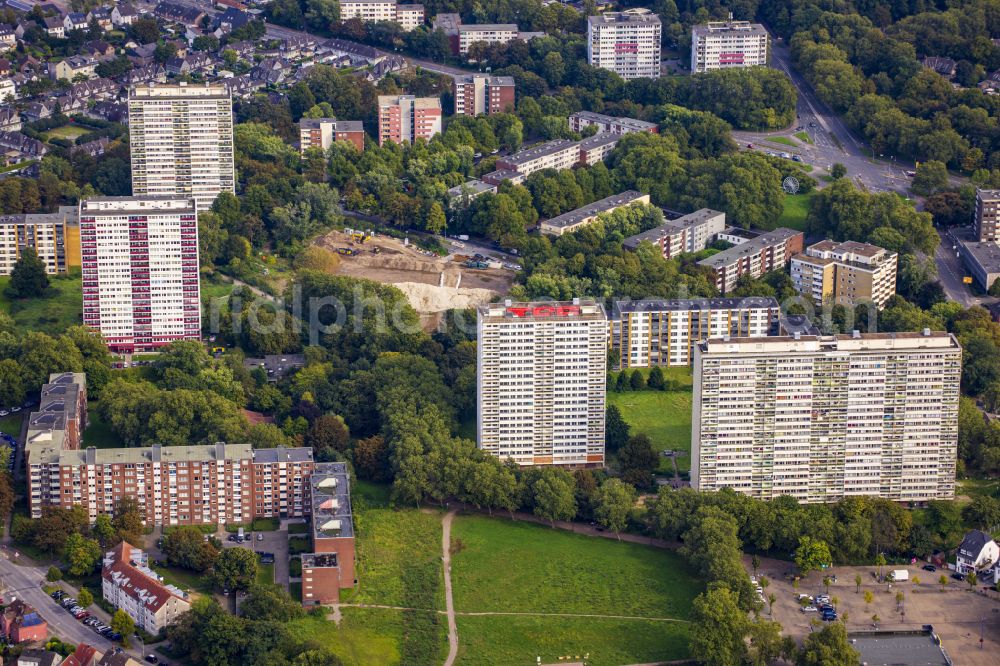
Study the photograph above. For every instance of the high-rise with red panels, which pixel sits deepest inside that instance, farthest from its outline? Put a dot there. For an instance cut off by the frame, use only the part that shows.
(140, 270)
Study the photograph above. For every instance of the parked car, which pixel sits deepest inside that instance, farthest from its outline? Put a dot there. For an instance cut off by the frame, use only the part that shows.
(929, 567)
(152, 659)
(260, 536)
(809, 609)
(958, 576)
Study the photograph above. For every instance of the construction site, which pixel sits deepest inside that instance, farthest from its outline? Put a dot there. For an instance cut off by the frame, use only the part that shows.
(433, 284)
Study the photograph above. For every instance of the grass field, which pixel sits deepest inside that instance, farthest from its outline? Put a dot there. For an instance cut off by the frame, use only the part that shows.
(53, 314)
(99, 433)
(364, 636)
(499, 641)
(803, 137)
(794, 215)
(12, 424)
(70, 132)
(265, 574)
(783, 140)
(970, 488)
(514, 566)
(184, 579)
(298, 528)
(663, 415)
(17, 166)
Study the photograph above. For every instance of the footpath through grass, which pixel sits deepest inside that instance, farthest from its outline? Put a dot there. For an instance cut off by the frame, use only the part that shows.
(508, 566)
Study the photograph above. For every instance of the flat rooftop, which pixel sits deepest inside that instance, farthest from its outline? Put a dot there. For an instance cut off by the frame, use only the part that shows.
(631, 123)
(726, 257)
(574, 217)
(331, 501)
(488, 27)
(986, 254)
(854, 342)
(685, 304)
(669, 227)
(722, 27)
(548, 148)
(628, 16)
(599, 139)
(576, 310)
(473, 187)
(885, 649)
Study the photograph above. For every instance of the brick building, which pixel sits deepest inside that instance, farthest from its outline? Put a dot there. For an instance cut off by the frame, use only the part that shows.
(477, 94)
(754, 253)
(408, 118)
(330, 568)
(322, 132)
(21, 623)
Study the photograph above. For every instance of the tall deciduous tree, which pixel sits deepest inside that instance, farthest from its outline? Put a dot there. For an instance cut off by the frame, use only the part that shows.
(718, 628)
(28, 279)
(614, 501)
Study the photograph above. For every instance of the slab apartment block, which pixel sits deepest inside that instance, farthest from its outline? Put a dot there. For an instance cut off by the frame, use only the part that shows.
(408, 118)
(128, 583)
(609, 124)
(988, 215)
(323, 132)
(821, 418)
(627, 43)
(648, 333)
(847, 273)
(181, 141)
(541, 382)
(330, 568)
(575, 220)
(477, 94)
(688, 233)
(728, 44)
(140, 270)
(754, 253)
(55, 237)
(408, 17)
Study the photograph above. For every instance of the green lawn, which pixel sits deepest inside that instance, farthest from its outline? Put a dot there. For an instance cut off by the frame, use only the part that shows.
(295, 591)
(12, 424)
(803, 137)
(972, 488)
(17, 165)
(99, 433)
(265, 525)
(70, 132)
(265, 574)
(53, 314)
(499, 641)
(184, 579)
(298, 528)
(663, 415)
(784, 140)
(504, 565)
(794, 214)
(364, 636)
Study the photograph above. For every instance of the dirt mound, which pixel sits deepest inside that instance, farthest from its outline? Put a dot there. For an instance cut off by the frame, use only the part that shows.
(427, 298)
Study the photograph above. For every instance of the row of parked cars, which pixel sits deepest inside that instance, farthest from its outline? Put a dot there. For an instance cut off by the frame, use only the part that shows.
(820, 604)
(81, 614)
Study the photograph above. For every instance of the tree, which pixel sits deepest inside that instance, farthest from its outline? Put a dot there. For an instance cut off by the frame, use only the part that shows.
(145, 30)
(838, 171)
(811, 554)
(84, 598)
(235, 569)
(869, 597)
(436, 221)
(614, 501)
(186, 547)
(122, 623)
(270, 602)
(615, 429)
(553, 495)
(755, 563)
(55, 574)
(932, 177)
(81, 554)
(718, 628)
(656, 379)
(371, 459)
(637, 382)
(104, 531)
(317, 258)
(28, 279)
(994, 289)
(857, 583)
(637, 460)
(128, 520)
(328, 436)
(829, 647)
(943, 582)
(971, 579)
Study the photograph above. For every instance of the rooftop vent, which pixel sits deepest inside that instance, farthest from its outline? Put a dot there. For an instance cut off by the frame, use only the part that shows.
(856, 334)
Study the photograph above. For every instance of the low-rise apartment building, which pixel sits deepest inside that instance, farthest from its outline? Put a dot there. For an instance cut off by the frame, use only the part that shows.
(576, 219)
(726, 44)
(688, 233)
(597, 148)
(845, 273)
(322, 132)
(405, 118)
(559, 154)
(128, 583)
(477, 94)
(627, 43)
(755, 253)
(821, 418)
(330, 568)
(61, 416)
(648, 333)
(408, 17)
(55, 237)
(609, 124)
(541, 376)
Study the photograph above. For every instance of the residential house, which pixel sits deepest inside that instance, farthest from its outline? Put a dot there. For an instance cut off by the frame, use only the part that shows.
(75, 21)
(102, 16)
(54, 27)
(94, 88)
(981, 554)
(129, 584)
(20, 623)
(97, 48)
(36, 657)
(231, 19)
(39, 110)
(172, 11)
(116, 112)
(8, 91)
(124, 14)
(143, 54)
(72, 67)
(244, 85)
(94, 148)
(10, 119)
(23, 27)
(196, 62)
(84, 655)
(8, 38)
(112, 658)
(5, 68)
(151, 73)
(27, 147)
(943, 66)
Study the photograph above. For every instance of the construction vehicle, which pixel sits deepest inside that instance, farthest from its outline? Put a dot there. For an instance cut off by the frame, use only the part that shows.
(346, 251)
(358, 237)
(476, 264)
(376, 250)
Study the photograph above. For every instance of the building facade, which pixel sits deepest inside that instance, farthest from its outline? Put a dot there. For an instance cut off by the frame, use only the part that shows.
(61, 416)
(581, 217)
(128, 583)
(609, 124)
(330, 568)
(820, 418)
(55, 237)
(688, 233)
(374, 11)
(846, 273)
(477, 94)
(541, 382)
(181, 140)
(140, 270)
(988, 215)
(727, 44)
(754, 253)
(559, 154)
(408, 118)
(665, 333)
(322, 132)
(627, 43)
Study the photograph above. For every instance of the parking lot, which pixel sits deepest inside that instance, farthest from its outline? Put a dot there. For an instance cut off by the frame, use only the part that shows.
(955, 613)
